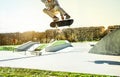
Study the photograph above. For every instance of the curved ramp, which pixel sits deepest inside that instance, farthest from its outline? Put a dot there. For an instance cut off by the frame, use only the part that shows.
(58, 47)
(26, 46)
(109, 45)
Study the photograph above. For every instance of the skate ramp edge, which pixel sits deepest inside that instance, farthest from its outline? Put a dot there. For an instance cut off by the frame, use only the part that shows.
(58, 47)
(109, 45)
(26, 46)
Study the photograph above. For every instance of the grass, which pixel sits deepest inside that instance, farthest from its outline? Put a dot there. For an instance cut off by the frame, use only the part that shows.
(59, 42)
(22, 72)
(7, 47)
(41, 47)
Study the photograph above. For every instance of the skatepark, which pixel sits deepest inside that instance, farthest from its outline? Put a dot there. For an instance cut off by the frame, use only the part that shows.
(81, 57)
(80, 29)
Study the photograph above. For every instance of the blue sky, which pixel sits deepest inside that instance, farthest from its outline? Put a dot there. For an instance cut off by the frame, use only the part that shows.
(25, 15)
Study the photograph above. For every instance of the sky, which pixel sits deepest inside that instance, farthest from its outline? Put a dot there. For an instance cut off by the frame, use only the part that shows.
(27, 15)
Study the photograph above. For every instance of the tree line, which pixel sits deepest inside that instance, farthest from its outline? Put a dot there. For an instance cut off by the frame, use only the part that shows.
(70, 34)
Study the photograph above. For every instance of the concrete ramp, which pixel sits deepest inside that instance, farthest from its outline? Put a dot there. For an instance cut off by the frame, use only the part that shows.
(26, 46)
(55, 48)
(33, 47)
(109, 45)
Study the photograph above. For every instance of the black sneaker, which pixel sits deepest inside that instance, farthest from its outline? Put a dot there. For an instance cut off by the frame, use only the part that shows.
(67, 16)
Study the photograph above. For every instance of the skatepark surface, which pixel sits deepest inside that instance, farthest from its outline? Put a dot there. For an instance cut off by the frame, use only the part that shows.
(72, 59)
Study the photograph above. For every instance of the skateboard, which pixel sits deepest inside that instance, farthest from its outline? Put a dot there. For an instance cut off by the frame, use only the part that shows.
(61, 23)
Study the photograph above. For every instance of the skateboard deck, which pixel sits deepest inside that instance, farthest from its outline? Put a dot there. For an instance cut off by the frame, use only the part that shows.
(61, 23)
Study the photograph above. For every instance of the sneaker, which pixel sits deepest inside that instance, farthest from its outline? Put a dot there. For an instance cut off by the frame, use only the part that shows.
(67, 16)
(55, 18)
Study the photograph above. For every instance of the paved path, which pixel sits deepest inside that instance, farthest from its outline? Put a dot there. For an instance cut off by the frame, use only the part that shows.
(76, 60)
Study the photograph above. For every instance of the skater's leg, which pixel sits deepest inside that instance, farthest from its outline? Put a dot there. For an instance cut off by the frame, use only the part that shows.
(51, 14)
(62, 12)
(62, 16)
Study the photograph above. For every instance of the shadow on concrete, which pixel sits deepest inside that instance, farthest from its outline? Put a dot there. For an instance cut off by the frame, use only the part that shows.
(16, 58)
(108, 62)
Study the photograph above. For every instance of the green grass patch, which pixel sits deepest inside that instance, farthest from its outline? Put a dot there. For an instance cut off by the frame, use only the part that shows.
(42, 46)
(59, 42)
(8, 47)
(22, 72)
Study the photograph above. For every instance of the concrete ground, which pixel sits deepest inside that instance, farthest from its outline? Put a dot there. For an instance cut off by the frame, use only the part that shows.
(76, 59)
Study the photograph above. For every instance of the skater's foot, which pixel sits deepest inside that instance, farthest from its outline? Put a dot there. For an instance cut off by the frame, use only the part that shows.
(67, 16)
(55, 18)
